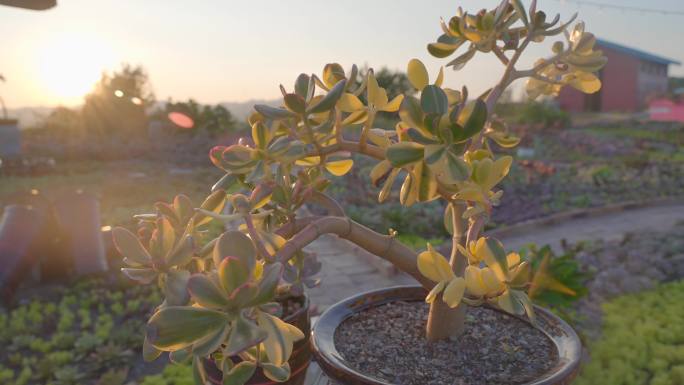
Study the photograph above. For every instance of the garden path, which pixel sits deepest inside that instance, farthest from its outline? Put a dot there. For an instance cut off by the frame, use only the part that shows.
(347, 271)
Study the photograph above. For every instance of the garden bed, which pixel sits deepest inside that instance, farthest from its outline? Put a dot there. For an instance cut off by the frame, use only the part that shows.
(86, 333)
(568, 169)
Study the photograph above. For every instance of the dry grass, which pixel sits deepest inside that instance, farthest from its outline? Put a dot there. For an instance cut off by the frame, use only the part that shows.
(124, 188)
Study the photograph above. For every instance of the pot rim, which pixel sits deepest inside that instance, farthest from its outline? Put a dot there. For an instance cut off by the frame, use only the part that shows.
(565, 339)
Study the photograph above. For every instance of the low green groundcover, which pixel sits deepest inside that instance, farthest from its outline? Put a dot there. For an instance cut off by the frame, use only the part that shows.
(89, 333)
(172, 375)
(643, 340)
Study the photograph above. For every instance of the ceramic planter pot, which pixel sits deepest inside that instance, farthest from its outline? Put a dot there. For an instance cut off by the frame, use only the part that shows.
(299, 360)
(333, 364)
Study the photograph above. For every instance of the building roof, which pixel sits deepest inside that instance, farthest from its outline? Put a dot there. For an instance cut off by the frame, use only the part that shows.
(637, 53)
(37, 5)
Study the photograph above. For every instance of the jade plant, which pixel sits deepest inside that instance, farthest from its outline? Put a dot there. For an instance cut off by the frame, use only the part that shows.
(221, 293)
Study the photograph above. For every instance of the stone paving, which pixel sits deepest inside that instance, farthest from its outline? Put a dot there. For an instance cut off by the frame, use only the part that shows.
(347, 271)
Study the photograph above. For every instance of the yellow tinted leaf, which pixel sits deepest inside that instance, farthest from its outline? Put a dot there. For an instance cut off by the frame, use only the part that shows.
(349, 103)
(440, 80)
(430, 298)
(378, 139)
(356, 117)
(308, 161)
(474, 284)
(379, 171)
(513, 259)
(394, 105)
(434, 266)
(587, 83)
(387, 187)
(417, 74)
(373, 89)
(454, 291)
(509, 303)
(490, 281)
(470, 193)
(339, 167)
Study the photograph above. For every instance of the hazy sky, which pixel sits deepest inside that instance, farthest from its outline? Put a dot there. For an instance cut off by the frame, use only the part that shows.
(230, 50)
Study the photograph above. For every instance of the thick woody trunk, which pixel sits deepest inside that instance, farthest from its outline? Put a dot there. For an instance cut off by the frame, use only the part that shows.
(443, 321)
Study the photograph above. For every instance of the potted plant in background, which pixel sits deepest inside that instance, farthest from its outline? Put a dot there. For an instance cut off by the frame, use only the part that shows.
(225, 295)
(10, 136)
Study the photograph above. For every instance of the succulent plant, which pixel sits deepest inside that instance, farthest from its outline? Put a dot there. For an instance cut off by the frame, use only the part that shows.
(220, 293)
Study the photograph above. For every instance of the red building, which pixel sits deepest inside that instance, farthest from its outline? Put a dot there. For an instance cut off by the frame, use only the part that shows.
(629, 80)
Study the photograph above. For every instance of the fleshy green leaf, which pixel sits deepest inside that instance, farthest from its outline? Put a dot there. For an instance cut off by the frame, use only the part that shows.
(268, 284)
(211, 343)
(150, 353)
(433, 100)
(144, 276)
(213, 203)
(175, 287)
(176, 327)
(404, 153)
(243, 335)
(276, 373)
(281, 337)
(233, 273)
(333, 73)
(495, 258)
(302, 85)
(329, 100)
(273, 112)
(295, 103)
(182, 253)
(411, 112)
(205, 292)
(239, 374)
(180, 356)
(235, 244)
(472, 119)
(130, 247)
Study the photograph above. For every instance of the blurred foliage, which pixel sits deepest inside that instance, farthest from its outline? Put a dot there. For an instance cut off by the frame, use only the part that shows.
(642, 340)
(117, 105)
(207, 118)
(416, 242)
(558, 279)
(541, 113)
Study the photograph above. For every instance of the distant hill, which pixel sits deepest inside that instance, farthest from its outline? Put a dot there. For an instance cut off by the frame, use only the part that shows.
(241, 110)
(31, 116)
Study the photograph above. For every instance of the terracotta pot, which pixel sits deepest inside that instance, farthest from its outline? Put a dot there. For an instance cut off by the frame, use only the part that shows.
(299, 360)
(335, 367)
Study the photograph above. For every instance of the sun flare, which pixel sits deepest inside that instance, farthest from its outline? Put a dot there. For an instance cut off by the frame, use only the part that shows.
(69, 65)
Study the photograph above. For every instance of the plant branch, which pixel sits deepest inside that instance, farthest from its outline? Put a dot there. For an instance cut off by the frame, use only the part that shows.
(294, 226)
(545, 63)
(474, 229)
(500, 54)
(384, 246)
(322, 199)
(257, 238)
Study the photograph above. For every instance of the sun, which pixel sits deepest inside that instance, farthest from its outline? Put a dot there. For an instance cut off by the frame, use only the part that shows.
(70, 64)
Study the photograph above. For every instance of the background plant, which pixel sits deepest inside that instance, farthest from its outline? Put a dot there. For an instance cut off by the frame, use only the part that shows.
(641, 342)
(442, 148)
